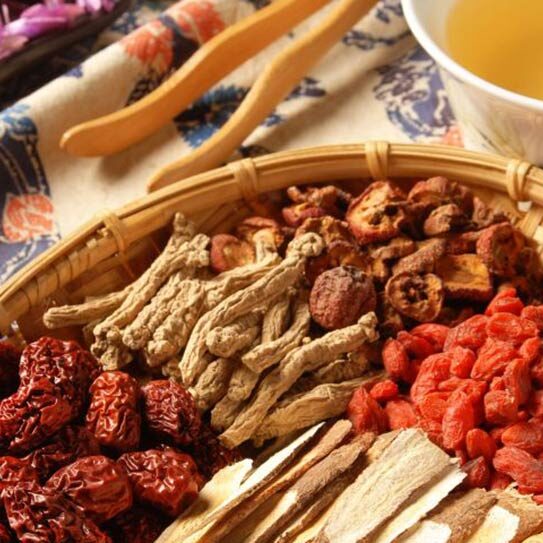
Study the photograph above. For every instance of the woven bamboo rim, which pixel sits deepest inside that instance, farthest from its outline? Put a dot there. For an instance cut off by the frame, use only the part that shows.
(112, 248)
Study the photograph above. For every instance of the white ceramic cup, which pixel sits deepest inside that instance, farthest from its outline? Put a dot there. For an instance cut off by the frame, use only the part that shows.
(491, 118)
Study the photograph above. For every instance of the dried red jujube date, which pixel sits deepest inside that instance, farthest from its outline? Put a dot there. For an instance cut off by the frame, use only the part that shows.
(66, 446)
(40, 514)
(9, 368)
(170, 412)
(138, 525)
(5, 536)
(69, 367)
(113, 415)
(14, 471)
(32, 415)
(165, 479)
(96, 484)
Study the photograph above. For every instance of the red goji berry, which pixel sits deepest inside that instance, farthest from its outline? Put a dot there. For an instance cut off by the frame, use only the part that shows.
(365, 414)
(523, 415)
(535, 404)
(527, 436)
(433, 430)
(436, 334)
(400, 414)
(463, 360)
(433, 405)
(479, 443)
(496, 434)
(471, 333)
(384, 391)
(497, 383)
(458, 419)
(478, 473)
(510, 328)
(433, 370)
(505, 301)
(492, 359)
(395, 360)
(531, 349)
(536, 372)
(416, 346)
(499, 481)
(500, 407)
(517, 380)
(522, 467)
(473, 388)
(462, 456)
(534, 313)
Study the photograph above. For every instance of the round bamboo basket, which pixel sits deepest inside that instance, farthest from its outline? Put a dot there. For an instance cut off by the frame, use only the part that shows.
(113, 248)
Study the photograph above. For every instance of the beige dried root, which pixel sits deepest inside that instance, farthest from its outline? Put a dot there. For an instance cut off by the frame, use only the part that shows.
(94, 309)
(270, 353)
(308, 357)
(213, 383)
(171, 370)
(183, 250)
(225, 412)
(266, 290)
(276, 319)
(301, 410)
(242, 383)
(226, 341)
(173, 333)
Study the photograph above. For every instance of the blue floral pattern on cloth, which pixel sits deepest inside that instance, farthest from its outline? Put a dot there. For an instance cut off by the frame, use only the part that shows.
(414, 96)
(28, 226)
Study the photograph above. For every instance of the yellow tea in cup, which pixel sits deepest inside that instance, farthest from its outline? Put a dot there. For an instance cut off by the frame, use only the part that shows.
(500, 41)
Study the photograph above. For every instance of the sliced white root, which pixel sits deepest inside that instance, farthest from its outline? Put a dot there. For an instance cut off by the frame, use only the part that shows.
(499, 526)
(429, 531)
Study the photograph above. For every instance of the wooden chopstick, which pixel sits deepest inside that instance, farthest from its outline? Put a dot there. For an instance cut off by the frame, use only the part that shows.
(218, 57)
(272, 86)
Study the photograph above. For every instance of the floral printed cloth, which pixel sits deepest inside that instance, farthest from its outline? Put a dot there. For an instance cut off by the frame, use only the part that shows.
(374, 84)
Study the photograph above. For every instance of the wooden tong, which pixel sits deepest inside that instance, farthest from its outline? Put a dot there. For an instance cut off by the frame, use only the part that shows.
(115, 132)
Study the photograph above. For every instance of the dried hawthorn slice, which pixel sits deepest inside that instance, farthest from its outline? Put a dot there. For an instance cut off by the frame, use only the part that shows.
(376, 224)
(96, 484)
(510, 328)
(113, 415)
(329, 228)
(390, 321)
(445, 218)
(228, 252)
(365, 414)
(340, 296)
(170, 412)
(400, 414)
(460, 244)
(379, 193)
(436, 334)
(480, 443)
(328, 197)
(419, 297)
(465, 277)
(33, 414)
(484, 215)
(66, 446)
(397, 247)
(424, 259)
(500, 407)
(14, 471)
(527, 436)
(138, 525)
(458, 420)
(253, 229)
(500, 246)
(167, 479)
(438, 191)
(295, 215)
(492, 359)
(522, 467)
(471, 333)
(41, 514)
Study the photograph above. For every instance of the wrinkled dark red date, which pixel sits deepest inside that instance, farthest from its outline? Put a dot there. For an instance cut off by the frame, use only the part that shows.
(96, 484)
(5, 536)
(39, 514)
(165, 479)
(14, 471)
(9, 368)
(170, 412)
(113, 415)
(66, 446)
(138, 525)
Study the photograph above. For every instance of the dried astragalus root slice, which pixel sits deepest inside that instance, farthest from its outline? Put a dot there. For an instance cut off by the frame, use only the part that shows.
(465, 277)
(419, 297)
(323, 402)
(267, 289)
(305, 358)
